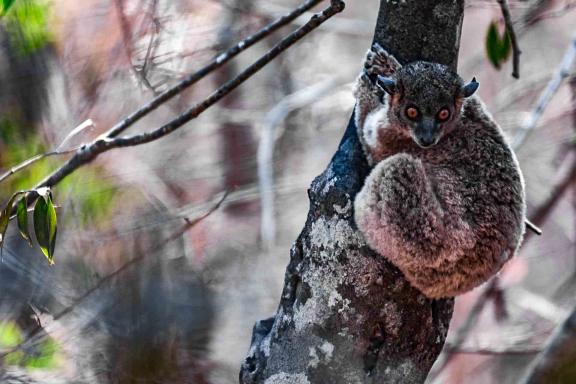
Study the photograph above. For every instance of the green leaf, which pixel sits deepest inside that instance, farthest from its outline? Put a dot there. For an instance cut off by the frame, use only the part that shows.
(22, 218)
(498, 47)
(493, 49)
(45, 221)
(5, 219)
(6, 4)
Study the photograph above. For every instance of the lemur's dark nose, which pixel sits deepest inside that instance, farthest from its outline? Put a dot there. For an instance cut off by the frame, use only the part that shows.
(426, 133)
(426, 141)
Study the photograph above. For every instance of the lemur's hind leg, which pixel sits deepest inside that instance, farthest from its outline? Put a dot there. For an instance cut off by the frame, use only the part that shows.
(399, 214)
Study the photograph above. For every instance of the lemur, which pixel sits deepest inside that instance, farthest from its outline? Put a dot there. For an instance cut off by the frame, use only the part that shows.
(445, 201)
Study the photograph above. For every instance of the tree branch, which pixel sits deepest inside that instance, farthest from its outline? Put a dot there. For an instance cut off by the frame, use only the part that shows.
(219, 61)
(108, 140)
(512, 33)
(562, 72)
(496, 351)
(545, 209)
(57, 152)
(28, 162)
(556, 363)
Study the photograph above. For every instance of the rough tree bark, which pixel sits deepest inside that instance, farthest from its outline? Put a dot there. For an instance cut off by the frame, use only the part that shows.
(346, 315)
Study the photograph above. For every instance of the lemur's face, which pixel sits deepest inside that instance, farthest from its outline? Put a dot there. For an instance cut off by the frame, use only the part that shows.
(426, 99)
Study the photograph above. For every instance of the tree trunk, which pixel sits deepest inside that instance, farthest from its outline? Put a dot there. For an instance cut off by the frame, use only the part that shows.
(346, 315)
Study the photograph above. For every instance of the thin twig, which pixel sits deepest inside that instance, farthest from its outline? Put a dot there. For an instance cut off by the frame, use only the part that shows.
(529, 124)
(558, 354)
(496, 351)
(538, 15)
(343, 25)
(188, 224)
(57, 152)
(563, 72)
(28, 162)
(140, 74)
(287, 42)
(516, 52)
(545, 209)
(128, 44)
(533, 227)
(106, 142)
(537, 304)
(219, 61)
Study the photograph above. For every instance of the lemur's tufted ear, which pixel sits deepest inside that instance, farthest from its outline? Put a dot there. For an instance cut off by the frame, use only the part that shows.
(469, 89)
(387, 84)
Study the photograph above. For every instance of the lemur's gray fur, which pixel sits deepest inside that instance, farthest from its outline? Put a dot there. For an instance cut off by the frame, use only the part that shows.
(445, 201)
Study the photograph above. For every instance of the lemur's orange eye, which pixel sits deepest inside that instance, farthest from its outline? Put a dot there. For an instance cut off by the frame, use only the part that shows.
(443, 115)
(412, 113)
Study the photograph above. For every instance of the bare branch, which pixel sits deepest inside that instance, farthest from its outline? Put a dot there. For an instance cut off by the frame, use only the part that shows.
(537, 13)
(28, 162)
(496, 351)
(557, 359)
(228, 87)
(106, 142)
(128, 45)
(531, 14)
(57, 152)
(512, 33)
(343, 25)
(533, 227)
(537, 304)
(563, 72)
(219, 61)
(543, 211)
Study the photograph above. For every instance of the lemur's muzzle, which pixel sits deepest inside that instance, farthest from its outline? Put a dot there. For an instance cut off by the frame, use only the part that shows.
(427, 132)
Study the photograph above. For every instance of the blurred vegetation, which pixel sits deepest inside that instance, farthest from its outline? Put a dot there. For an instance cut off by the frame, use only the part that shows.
(45, 356)
(27, 24)
(93, 195)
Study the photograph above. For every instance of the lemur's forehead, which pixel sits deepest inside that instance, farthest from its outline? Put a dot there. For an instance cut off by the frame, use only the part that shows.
(428, 83)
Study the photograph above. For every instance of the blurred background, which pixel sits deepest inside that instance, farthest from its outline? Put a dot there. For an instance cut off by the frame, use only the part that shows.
(128, 299)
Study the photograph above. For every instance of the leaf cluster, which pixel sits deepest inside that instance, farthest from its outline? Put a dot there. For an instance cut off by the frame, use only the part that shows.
(45, 220)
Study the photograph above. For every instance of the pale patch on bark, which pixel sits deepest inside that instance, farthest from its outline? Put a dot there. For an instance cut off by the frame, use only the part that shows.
(321, 354)
(286, 378)
(327, 238)
(343, 210)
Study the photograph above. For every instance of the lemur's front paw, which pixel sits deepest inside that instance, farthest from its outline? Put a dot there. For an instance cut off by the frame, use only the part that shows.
(379, 62)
